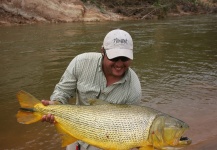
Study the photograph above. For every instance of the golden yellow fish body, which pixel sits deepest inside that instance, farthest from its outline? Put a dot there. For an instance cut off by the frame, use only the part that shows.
(113, 127)
(105, 126)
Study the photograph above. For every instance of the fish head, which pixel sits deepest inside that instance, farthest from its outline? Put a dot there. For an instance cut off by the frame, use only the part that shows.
(173, 132)
(167, 131)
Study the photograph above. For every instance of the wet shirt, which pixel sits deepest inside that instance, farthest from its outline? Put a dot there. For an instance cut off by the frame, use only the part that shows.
(84, 77)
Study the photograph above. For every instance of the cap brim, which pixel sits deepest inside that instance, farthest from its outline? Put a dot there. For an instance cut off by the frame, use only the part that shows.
(113, 53)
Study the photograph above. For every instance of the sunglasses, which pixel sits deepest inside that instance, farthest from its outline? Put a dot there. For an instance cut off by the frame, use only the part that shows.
(122, 58)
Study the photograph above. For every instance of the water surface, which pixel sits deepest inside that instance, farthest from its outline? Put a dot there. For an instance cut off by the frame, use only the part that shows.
(175, 59)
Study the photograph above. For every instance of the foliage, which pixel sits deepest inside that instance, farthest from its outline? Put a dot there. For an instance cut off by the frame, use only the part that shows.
(146, 9)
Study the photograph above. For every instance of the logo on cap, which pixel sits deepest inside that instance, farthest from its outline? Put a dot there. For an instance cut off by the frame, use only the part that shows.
(122, 41)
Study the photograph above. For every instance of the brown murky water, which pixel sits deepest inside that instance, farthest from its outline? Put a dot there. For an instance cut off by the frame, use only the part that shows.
(175, 59)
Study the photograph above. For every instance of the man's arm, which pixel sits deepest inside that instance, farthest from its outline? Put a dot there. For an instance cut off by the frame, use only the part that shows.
(66, 88)
(63, 91)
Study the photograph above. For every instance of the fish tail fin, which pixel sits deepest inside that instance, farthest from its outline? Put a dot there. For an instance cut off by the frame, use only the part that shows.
(26, 100)
(26, 114)
(27, 117)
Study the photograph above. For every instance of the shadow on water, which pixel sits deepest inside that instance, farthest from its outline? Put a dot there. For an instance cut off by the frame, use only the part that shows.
(175, 59)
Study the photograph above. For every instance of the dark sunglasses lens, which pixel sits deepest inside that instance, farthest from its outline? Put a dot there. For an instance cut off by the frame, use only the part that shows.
(114, 59)
(123, 59)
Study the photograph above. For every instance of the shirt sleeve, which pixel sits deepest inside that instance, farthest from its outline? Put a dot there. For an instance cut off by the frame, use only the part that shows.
(66, 88)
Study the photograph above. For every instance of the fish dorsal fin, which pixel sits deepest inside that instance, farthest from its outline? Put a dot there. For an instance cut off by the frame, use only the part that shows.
(66, 137)
(26, 100)
(97, 102)
(26, 117)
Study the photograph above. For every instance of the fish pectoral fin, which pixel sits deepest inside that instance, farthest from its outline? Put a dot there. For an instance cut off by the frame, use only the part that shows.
(148, 147)
(66, 137)
(26, 117)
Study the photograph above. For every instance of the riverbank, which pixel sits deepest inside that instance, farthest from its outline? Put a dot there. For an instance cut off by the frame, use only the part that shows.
(15, 12)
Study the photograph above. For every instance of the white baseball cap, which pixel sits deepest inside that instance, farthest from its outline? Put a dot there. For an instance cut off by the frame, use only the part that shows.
(118, 43)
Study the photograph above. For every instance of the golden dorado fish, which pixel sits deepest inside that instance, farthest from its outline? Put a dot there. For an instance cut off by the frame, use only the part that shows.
(108, 126)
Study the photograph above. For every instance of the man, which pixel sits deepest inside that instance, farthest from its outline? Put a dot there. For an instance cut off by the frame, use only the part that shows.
(104, 76)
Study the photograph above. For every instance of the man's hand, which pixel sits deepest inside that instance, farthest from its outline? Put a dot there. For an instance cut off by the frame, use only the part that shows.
(49, 117)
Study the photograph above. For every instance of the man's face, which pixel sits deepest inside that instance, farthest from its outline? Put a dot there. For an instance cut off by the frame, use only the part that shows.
(115, 67)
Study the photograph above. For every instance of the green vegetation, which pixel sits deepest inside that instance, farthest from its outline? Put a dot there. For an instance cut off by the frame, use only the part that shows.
(148, 9)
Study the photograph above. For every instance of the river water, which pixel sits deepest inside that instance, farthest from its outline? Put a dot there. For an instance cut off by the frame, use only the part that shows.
(175, 59)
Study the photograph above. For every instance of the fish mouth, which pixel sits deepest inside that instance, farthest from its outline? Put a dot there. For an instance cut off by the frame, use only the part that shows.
(185, 141)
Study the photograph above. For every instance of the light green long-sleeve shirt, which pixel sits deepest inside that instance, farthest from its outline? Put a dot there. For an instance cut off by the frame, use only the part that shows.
(85, 77)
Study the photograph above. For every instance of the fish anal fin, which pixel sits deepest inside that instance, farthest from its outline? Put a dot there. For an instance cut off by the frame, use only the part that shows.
(26, 117)
(148, 147)
(66, 137)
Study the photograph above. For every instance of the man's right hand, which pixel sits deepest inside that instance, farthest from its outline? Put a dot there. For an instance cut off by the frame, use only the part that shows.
(49, 117)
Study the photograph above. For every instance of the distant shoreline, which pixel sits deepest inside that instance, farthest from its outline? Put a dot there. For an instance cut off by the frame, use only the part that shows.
(33, 11)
